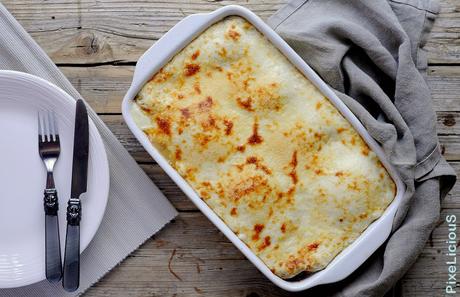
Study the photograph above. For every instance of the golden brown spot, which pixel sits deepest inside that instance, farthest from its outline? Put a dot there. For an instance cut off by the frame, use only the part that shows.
(248, 186)
(241, 148)
(146, 109)
(363, 216)
(164, 125)
(233, 212)
(265, 244)
(161, 76)
(196, 87)
(365, 151)
(206, 104)
(353, 140)
(318, 105)
(180, 131)
(229, 75)
(245, 103)
(202, 139)
(293, 164)
(209, 124)
(270, 212)
(312, 246)
(228, 127)
(318, 136)
(341, 220)
(258, 164)
(381, 175)
(353, 186)
(234, 35)
(221, 159)
(180, 96)
(190, 173)
(283, 228)
(340, 130)
(195, 55)
(205, 194)
(339, 173)
(246, 83)
(319, 171)
(223, 53)
(257, 230)
(255, 138)
(191, 69)
(178, 154)
(185, 112)
(220, 69)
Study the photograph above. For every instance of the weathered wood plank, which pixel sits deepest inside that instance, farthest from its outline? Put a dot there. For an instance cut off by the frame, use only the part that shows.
(191, 258)
(428, 276)
(105, 31)
(105, 86)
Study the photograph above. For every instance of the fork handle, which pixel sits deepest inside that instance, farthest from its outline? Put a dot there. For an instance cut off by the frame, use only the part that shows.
(71, 277)
(52, 243)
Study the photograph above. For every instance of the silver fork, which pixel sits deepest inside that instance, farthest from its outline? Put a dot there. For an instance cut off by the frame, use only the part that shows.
(49, 149)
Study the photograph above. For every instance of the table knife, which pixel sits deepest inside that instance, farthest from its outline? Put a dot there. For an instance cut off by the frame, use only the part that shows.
(71, 274)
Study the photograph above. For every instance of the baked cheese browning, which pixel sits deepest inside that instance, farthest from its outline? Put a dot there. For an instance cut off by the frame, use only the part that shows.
(263, 148)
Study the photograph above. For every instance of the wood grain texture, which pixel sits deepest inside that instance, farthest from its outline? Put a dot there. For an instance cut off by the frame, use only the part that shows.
(96, 43)
(87, 31)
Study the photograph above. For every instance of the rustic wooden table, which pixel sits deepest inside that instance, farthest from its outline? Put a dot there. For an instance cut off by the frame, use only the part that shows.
(96, 44)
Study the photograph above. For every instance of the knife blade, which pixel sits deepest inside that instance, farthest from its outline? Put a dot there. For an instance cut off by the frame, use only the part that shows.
(71, 274)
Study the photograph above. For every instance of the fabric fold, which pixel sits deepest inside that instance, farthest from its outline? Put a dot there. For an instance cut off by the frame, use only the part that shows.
(371, 53)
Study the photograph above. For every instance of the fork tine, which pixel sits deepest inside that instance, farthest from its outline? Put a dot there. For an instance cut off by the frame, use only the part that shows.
(51, 126)
(47, 126)
(40, 127)
(56, 130)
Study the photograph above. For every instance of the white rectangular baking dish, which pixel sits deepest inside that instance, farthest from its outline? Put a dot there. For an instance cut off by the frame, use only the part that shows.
(165, 49)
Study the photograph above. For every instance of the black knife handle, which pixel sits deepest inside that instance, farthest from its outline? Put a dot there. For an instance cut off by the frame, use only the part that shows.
(53, 259)
(71, 277)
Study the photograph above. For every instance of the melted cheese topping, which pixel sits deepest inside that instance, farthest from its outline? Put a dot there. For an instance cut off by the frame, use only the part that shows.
(263, 148)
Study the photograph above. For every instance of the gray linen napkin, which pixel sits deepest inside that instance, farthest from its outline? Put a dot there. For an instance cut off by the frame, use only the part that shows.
(136, 209)
(371, 53)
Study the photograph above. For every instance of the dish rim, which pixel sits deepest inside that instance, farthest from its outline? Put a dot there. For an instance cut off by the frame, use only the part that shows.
(178, 37)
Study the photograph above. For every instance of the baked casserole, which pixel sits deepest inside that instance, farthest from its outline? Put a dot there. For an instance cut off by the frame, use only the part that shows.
(268, 152)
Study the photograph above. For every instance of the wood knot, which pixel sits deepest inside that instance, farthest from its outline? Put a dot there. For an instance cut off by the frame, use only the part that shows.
(449, 120)
(89, 44)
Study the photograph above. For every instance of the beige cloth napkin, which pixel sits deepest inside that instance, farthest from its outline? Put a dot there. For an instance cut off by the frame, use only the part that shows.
(136, 209)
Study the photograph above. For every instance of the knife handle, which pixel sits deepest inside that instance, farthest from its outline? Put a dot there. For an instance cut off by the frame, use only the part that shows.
(52, 243)
(71, 277)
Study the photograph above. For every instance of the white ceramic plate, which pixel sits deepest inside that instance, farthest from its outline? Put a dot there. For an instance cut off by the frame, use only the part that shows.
(176, 39)
(23, 176)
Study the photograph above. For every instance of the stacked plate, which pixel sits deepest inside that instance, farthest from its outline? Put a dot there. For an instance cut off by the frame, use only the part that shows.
(23, 176)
